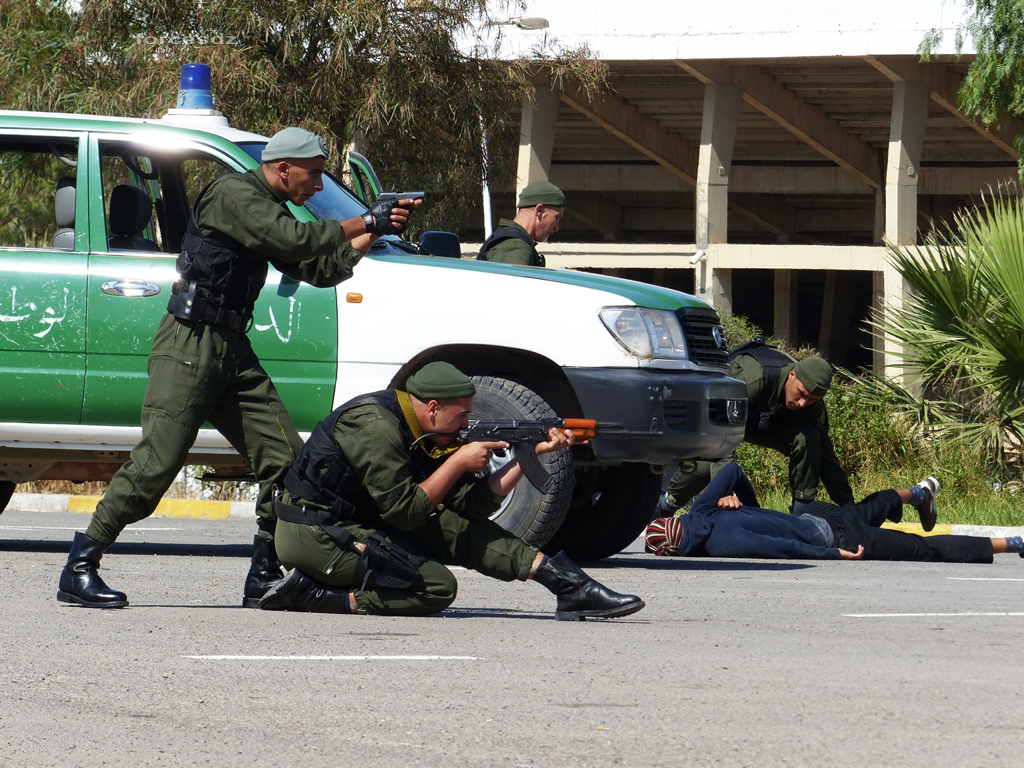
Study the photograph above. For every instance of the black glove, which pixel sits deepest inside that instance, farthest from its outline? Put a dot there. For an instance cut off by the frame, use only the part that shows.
(378, 218)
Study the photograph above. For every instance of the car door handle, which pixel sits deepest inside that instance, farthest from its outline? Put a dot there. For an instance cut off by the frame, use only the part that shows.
(129, 288)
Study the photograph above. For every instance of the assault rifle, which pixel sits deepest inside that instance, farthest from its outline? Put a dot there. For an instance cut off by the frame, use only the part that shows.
(524, 435)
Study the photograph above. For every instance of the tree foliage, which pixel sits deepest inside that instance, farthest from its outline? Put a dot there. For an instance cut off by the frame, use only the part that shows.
(391, 68)
(962, 330)
(994, 85)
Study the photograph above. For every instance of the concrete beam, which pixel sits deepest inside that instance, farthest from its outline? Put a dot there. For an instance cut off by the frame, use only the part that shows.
(627, 123)
(945, 91)
(805, 121)
(536, 136)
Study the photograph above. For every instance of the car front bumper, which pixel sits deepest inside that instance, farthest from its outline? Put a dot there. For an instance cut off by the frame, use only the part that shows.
(697, 414)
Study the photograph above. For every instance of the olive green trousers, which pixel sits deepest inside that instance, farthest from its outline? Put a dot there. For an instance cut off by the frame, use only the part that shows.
(800, 441)
(446, 539)
(197, 374)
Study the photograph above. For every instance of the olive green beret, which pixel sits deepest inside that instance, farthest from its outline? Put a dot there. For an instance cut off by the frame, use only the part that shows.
(541, 193)
(294, 142)
(438, 381)
(815, 373)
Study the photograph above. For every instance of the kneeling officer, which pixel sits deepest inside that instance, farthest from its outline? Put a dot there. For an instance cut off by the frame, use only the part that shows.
(380, 500)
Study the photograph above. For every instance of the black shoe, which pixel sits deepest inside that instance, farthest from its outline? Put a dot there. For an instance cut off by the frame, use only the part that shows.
(926, 509)
(579, 596)
(79, 582)
(298, 592)
(264, 572)
(663, 508)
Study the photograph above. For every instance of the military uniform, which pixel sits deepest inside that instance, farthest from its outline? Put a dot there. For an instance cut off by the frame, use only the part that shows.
(375, 440)
(201, 372)
(802, 435)
(509, 249)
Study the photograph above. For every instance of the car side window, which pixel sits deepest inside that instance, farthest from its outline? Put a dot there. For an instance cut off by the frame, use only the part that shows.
(132, 200)
(37, 193)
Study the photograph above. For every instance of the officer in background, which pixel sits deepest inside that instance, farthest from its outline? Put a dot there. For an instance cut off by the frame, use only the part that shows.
(381, 499)
(541, 206)
(785, 413)
(202, 366)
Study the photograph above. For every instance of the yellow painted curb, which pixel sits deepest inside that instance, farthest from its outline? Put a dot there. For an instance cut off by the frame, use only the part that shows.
(938, 530)
(200, 510)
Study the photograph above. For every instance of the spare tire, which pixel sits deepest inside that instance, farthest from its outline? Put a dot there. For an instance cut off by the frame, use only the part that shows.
(526, 512)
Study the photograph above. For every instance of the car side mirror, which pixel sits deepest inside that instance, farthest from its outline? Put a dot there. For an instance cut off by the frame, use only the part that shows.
(440, 244)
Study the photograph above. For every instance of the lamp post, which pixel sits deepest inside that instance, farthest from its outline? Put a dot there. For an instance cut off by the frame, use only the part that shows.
(526, 23)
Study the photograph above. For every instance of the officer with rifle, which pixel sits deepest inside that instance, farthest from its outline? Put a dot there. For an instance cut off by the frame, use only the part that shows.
(382, 497)
(785, 412)
(541, 206)
(202, 367)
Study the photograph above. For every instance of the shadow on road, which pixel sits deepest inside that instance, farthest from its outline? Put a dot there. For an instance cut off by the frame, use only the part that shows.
(692, 564)
(133, 548)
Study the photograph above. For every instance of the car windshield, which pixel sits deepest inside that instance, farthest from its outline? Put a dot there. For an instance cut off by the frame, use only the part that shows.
(334, 201)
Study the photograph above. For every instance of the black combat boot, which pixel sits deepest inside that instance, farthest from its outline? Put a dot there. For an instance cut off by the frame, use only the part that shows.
(579, 596)
(79, 582)
(264, 572)
(298, 592)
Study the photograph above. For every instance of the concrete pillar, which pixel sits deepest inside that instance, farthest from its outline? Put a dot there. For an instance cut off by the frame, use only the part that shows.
(910, 103)
(537, 136)
(786, 306)
(718, 137)
(878, 235)
(836, 317)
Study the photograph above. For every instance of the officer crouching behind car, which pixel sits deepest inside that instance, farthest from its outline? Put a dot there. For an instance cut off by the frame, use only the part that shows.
(785, 413)
(540, 210)
(202, 366)
(380, 500)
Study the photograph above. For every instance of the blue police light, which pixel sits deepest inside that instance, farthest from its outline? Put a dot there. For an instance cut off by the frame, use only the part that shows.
(195, 90)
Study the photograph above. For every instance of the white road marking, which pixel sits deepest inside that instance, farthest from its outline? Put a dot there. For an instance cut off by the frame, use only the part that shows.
(335, 658)
(896, 615)
(978, 578)
(75, 528)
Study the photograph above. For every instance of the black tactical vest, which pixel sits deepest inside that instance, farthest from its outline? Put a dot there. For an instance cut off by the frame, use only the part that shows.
(220, 278)
(772, 361)
(322, 475)
(507, 233)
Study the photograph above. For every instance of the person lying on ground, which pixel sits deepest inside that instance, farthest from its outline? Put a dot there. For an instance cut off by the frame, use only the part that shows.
(726, 521)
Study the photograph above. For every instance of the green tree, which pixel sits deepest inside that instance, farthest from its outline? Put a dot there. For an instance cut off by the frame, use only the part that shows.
(394, 68)
(962, 330)
(994, 85)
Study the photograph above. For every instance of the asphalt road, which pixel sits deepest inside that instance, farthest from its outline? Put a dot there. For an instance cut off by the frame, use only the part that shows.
(732, 663)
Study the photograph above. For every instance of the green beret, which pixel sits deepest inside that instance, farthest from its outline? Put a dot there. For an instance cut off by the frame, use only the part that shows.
(541, 193)
(440, 381)
(815, 374)
(294, 142)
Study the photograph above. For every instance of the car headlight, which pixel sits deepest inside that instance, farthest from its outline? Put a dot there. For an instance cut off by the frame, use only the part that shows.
(646, 333)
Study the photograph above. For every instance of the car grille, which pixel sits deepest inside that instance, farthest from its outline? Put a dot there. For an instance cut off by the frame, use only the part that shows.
(698, 328)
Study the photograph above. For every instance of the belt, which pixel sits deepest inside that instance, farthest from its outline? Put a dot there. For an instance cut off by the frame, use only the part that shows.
(188, 307)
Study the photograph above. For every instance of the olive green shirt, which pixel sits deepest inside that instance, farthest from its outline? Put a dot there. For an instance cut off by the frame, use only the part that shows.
(378, 453)
(749, 371)
(513, 250)
(314, 252)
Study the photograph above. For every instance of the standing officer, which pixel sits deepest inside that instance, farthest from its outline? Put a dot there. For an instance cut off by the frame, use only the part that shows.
(785, 413)
(202, 367)
(541, 206)
(380, 500)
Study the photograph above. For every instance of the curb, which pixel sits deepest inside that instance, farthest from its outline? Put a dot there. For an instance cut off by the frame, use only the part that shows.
(188, 508)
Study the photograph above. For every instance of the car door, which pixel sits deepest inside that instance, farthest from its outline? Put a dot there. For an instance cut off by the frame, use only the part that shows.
(43, 255)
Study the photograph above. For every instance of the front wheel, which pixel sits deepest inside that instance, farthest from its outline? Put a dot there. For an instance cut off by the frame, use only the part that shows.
(612, 506)
(526, 512)
(6, 491)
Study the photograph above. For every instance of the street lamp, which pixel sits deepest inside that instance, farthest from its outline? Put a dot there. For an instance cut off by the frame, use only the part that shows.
(526, 23)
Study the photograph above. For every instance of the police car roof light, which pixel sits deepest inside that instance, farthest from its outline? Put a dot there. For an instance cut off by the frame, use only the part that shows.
(195, 90)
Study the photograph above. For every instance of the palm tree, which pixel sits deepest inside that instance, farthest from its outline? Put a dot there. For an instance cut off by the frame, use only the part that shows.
(961, 329)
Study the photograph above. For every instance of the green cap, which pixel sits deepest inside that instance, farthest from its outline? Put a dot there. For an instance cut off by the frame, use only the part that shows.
(815, 374)
(541, 193)
(294, 142)
(440, 381)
